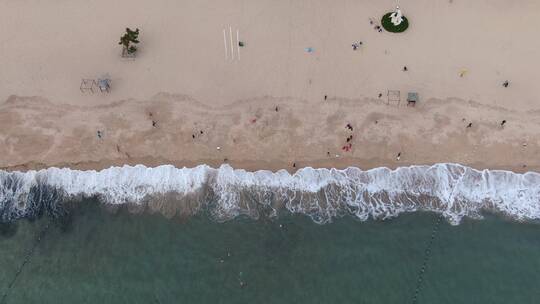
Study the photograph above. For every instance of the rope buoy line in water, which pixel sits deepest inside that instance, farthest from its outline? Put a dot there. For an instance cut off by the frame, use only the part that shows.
(26, 260)
(427, 256)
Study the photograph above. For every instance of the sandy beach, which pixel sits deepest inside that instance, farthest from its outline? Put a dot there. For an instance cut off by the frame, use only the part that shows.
(189, 98)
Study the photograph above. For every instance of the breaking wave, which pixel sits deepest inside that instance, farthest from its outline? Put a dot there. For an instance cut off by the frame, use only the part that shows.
(453, 190)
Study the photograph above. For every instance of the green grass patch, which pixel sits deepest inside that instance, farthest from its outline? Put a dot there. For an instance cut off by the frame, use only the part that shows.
(387, 24)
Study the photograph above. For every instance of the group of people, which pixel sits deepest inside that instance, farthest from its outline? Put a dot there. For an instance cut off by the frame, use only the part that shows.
(348, 146)
(356, 45)
(376, 26)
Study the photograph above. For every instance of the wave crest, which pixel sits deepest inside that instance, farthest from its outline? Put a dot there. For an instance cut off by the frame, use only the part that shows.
(453, 190)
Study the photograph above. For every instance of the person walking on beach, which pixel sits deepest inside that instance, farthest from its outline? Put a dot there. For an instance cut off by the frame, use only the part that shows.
(469, 125)
(506, 83)
(503, 123)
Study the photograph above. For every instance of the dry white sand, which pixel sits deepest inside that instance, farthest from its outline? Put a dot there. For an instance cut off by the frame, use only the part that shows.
(47, 47)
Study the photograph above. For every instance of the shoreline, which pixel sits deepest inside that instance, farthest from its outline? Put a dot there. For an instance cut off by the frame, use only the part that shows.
(253, 166)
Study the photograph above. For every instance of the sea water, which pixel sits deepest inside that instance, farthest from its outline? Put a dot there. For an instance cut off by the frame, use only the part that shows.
(101, 257)
(240, 240)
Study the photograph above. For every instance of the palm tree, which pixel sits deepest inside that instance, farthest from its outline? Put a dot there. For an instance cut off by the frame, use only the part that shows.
(128, 39)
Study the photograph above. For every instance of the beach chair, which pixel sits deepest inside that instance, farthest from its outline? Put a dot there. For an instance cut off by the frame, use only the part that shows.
(412, 98)
(88, 85)
(393, 96)
(104, 84)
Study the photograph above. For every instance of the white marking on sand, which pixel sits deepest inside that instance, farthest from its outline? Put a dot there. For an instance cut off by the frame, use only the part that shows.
(232, 45)
(225, 43)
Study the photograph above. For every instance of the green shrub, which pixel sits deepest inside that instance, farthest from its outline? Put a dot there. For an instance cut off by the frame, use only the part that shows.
(128, 39)
(387, 24)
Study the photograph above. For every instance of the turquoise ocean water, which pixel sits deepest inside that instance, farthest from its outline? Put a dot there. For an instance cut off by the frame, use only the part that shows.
(97, 256)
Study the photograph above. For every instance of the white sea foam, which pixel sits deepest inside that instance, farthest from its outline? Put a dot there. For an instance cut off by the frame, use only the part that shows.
(452, 190)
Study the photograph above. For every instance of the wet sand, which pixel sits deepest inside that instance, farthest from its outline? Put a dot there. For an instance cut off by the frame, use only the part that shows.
(252, 135)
